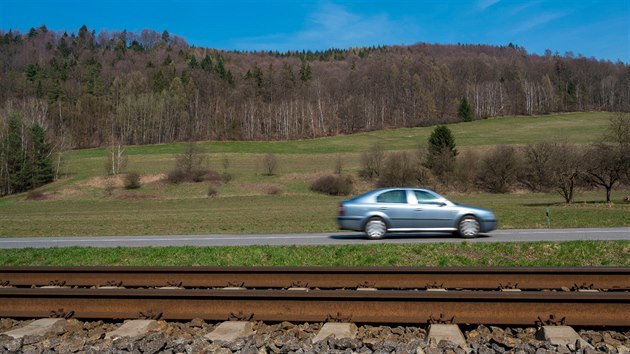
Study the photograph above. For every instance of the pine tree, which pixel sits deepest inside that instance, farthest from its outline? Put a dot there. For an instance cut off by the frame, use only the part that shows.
(43, 171)
(441, 151)
(464, 112)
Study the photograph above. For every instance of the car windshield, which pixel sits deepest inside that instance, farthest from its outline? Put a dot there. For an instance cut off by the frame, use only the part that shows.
(397, 196)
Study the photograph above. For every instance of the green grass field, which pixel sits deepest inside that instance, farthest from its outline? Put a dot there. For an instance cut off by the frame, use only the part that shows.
(553, 254)
(78, 205)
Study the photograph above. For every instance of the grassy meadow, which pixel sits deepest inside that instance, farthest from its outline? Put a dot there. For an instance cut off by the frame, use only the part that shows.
(252, 202)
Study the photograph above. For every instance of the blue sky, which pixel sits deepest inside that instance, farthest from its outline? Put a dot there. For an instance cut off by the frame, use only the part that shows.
(592, 28)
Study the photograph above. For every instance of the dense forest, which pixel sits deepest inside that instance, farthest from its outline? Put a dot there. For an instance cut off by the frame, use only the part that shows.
(89, 89)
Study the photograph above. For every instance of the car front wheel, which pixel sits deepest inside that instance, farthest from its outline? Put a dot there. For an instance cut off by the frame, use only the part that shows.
(375, 228)
(468, 227)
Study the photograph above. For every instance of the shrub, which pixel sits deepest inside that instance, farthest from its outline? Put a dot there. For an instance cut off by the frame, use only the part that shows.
(176, 176)
(400, 170)
(499, 169)
(109, 186)
(273, 190)
(198, 175)
(132, 180)
(226, 177)
(465, 171)
(372, 162)
(270, 164)
(333, 185)
(213, 191)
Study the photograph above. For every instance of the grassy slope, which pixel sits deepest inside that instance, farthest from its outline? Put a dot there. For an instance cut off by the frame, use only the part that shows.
(77, 204)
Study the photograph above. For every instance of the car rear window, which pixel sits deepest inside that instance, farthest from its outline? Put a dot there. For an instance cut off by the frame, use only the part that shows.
(425, 197)
(392, 197)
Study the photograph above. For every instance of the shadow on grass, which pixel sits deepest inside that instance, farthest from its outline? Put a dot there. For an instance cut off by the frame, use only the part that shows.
(403, 236)
(578, 203)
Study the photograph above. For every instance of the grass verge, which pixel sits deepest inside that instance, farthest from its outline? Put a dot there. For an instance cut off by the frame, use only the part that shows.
(290, 213)
(571, 253)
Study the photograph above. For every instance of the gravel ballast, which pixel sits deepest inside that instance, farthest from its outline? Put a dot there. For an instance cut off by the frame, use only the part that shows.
(188, 337)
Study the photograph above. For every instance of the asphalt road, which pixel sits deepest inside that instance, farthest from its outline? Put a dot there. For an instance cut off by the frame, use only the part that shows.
(345, 238)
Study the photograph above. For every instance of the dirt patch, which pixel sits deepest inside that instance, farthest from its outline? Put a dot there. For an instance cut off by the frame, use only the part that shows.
(36, 196)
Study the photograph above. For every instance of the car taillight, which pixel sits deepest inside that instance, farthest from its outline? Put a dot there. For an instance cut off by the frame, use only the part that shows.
(341, 210)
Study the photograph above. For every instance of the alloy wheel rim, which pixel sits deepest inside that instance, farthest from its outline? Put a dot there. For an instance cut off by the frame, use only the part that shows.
(375, 229)
(469, 227)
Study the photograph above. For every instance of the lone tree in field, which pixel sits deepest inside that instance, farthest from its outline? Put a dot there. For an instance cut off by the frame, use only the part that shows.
(191, 163)
(441, 151)
(270, 164)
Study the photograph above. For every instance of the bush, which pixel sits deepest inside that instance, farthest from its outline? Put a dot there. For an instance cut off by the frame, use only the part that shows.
(466, 167)
(273, 190)
(499, 169)
(176, 176)
(213, 191)
(270, 164)
(226, 177)
(372, 162)
(132, 180)
(333, 185)
(400, 170)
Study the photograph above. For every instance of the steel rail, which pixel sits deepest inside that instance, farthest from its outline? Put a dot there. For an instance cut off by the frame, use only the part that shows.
(486, 278)
(377, 306)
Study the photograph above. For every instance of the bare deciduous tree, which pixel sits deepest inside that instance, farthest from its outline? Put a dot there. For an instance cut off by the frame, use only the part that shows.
(605, 166)
(567, 164)
(499, 169)
(270, 164)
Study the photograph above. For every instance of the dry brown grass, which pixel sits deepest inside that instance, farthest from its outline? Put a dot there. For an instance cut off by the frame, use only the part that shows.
(261, 188)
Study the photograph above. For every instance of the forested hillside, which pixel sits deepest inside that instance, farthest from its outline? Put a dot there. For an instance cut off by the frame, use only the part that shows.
(90, 89)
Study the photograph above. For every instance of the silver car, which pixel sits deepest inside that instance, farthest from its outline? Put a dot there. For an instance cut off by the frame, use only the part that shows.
(411, 210)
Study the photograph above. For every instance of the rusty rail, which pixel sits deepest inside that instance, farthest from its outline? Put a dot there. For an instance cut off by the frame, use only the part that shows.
(376, 306)
(480, 278)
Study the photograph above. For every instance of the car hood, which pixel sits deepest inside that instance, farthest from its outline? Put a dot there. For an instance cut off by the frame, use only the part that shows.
(478, 210)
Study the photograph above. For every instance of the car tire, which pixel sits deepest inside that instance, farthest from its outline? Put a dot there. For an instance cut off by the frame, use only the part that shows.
(375, 228)
(468, 227)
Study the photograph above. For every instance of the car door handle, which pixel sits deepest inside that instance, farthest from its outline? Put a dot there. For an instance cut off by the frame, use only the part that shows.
(419, 209)
(384, 208)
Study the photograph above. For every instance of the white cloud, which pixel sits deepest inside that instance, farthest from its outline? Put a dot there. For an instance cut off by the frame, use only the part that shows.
(333, 26)
(537, 21)
(484, 4)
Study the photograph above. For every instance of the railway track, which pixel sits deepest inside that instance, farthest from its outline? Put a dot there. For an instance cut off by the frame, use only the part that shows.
(467, 295)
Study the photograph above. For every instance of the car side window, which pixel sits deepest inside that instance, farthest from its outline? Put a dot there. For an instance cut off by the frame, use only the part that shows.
(393, 197)
(425, 197)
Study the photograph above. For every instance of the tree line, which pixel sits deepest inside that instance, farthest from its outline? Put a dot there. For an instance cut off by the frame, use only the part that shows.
(26, 159)
(549, 166)
(119, 88)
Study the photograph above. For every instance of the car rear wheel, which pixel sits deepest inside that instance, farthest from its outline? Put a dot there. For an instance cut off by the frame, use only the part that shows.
(375, 228)
(468, 227)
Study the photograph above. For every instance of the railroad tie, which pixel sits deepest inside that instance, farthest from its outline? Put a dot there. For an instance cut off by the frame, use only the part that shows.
(230, 331)
(37, 328)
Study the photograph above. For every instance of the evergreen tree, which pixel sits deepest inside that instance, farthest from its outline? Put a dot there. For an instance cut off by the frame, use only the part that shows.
(305, 72)
(441, 151)
(43, 171)
(464, 112)
(19, 169)
(206, 63)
